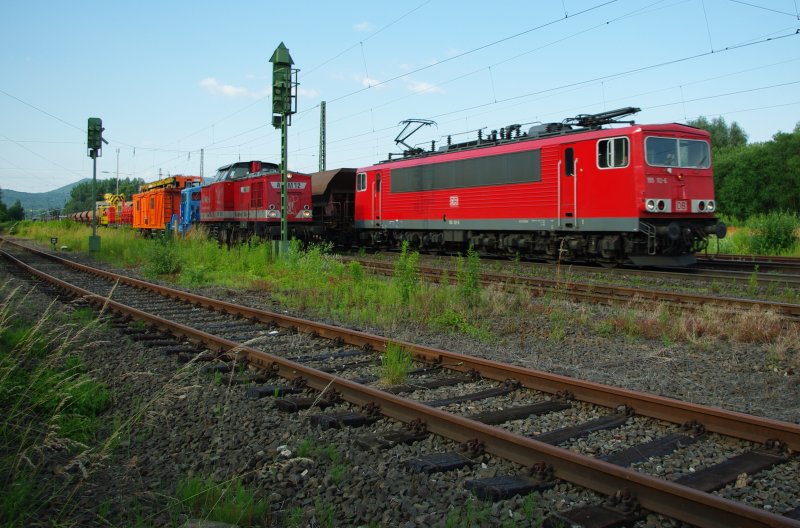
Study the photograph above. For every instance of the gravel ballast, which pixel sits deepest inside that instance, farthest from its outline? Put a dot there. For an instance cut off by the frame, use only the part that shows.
(186, 423)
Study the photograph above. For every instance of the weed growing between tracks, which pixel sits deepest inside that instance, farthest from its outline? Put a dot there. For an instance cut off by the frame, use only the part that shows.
(395, 364)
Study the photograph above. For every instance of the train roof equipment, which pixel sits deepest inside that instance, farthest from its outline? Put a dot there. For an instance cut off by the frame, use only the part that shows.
(171, 182)
(510, 133)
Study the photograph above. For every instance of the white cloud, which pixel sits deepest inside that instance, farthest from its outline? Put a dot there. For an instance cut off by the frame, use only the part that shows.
(369, 82)
(423, 87)
(214, 87)
(363, 27)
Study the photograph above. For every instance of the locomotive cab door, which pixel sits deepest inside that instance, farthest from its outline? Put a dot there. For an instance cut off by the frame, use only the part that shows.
(568, 189)
(377, 202)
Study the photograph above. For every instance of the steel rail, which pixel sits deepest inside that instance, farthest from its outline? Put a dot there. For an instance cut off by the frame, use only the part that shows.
(729, 423)
(613, 294)
(769, 259)
(653, 494)
(752, 263)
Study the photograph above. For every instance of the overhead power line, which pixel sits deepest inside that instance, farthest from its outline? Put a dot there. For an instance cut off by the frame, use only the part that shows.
(603, 78)
(464, 54)
(42, 111)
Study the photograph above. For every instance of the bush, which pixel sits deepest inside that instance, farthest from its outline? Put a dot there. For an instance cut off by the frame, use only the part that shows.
(406, 272)
(773, 233)
(162, 258)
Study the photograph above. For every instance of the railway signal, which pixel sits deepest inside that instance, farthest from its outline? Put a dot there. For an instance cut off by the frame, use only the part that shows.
(94, 140)
(94, 146)
(284, 104)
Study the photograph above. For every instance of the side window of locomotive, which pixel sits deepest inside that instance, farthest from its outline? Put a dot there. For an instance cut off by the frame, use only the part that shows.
(569, 162)
(612, 153)
(377, 183)
(361, 181)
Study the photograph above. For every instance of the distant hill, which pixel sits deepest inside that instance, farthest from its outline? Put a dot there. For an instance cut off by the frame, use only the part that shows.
(40, 202)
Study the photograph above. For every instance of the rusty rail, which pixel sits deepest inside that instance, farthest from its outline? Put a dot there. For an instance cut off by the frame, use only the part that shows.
(607, 293)
(657, 495)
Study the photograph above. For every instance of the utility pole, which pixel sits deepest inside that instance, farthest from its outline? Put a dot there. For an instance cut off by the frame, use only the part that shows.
(94, 145)
(117, 170)
(284, 104)
(322, 136)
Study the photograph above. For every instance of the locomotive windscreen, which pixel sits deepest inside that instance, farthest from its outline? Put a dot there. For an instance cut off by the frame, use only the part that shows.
(503, 169)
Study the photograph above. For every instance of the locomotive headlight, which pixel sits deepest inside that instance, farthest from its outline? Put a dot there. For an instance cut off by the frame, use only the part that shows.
(306, 213)
(711, 206)
(651, 205)
(273, 214)
(661, 205)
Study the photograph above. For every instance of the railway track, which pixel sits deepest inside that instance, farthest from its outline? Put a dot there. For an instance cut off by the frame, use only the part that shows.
(345, 372)
(602, 293)
(773, 273)
(750, 263)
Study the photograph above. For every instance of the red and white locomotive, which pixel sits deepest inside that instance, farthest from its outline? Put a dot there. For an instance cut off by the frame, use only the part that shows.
(641, 194)
(245, 200)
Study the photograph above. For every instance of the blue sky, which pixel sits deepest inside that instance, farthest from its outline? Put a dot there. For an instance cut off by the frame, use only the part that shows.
(170, 78)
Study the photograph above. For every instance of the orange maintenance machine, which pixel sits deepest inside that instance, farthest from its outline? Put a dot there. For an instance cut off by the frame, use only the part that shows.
(156, 202)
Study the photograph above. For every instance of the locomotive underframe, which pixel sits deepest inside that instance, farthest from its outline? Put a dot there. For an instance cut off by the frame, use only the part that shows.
(231, 233)
(659, 242)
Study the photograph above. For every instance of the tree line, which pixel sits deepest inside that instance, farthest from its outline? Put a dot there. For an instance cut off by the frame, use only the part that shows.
(753, 178)
(13, 213)
(81, 198)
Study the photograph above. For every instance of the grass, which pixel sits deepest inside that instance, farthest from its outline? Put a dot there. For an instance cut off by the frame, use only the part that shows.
(309, 280)
(774, 234)
(395, 364)
(229, 502)
(48, 399)
(316, 282)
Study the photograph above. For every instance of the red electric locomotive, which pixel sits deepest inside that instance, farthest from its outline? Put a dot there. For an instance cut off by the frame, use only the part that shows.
(245, 200)
(641, 194)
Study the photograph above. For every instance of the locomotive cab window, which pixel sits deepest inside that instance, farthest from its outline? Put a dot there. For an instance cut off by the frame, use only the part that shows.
(676, 152)
(612, 153)
(569, 162)
(361, 181)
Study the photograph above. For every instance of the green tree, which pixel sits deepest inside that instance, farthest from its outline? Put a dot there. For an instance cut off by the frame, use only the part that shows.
(3, 208)
(759, 178)
(80, 197)
(722, 135)
(16, 212)
(753, 179)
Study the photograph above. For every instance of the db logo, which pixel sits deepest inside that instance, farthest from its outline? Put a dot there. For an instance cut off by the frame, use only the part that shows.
(454, 201)
(681, 205)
